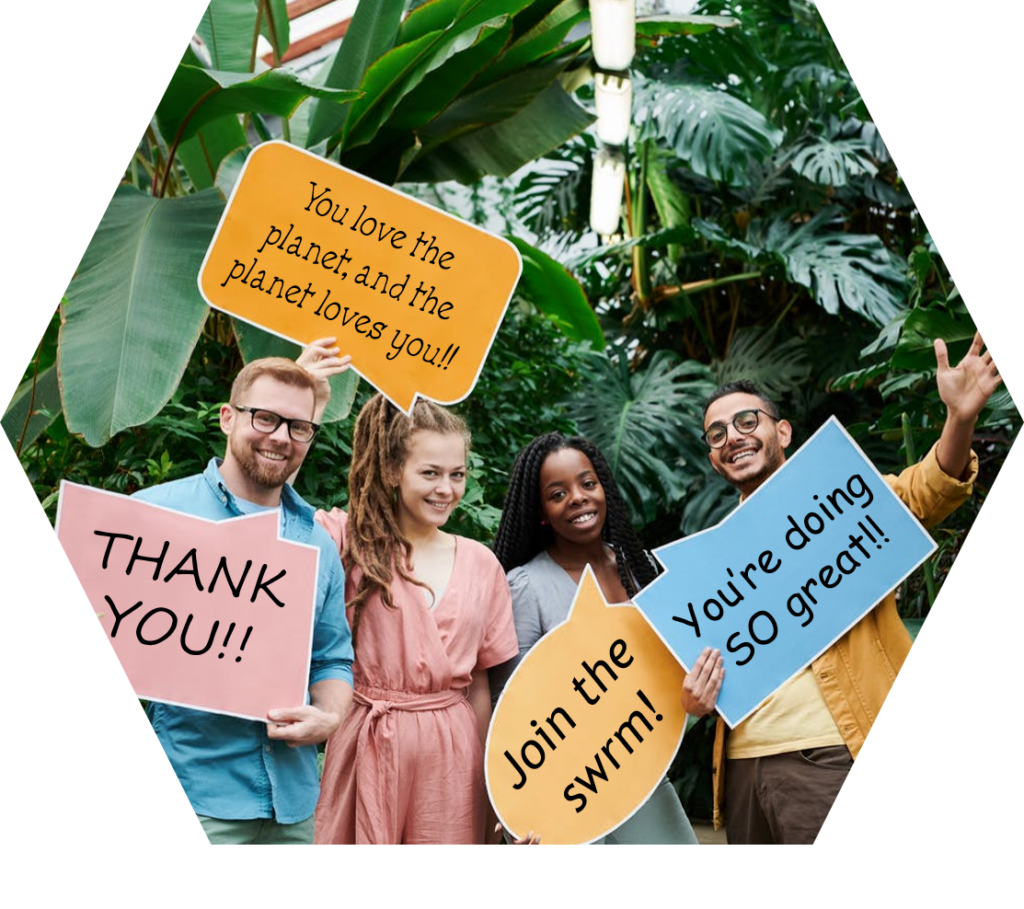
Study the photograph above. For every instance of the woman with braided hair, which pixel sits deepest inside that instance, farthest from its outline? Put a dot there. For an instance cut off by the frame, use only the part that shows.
(430, 614)
(563, 511)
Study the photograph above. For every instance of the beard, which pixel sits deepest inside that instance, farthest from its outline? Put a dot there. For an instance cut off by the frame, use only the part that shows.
(771, 451)
(268, 474)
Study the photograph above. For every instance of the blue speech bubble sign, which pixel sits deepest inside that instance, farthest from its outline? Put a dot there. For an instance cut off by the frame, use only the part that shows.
(788, 572)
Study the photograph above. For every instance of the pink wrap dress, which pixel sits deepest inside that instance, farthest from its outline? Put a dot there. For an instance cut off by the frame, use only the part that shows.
(406, 765)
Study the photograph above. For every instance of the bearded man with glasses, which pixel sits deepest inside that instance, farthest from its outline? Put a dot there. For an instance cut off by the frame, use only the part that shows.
(252, 782)
(778, 772)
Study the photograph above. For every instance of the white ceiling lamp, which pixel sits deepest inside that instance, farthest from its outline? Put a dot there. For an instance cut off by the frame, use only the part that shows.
(606, 192)
(613, 33)
(613, 97)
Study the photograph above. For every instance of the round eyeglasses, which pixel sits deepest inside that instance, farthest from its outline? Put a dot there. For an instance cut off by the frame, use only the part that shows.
(267, 421)
(745, 422)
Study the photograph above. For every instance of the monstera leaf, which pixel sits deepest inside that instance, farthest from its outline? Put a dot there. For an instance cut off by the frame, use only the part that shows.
(646, 424)
(715, 133)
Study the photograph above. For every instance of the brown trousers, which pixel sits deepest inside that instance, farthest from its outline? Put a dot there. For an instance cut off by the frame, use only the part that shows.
(783, 798)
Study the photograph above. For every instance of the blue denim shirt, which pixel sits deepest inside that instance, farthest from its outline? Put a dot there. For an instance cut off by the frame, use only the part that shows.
(228, 766)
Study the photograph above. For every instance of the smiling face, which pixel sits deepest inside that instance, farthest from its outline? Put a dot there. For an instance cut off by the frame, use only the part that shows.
(256, 464)
(746, 461)
(432, 480)
(572, 498)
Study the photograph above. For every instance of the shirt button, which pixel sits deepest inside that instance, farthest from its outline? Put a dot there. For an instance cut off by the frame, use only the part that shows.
(267, 749)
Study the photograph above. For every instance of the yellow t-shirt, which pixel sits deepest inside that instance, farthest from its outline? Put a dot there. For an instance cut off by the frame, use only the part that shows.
(793, 718)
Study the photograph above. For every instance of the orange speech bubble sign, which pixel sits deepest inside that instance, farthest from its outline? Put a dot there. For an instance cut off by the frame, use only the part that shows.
(587, 726)
(216, 615)
(308, 249)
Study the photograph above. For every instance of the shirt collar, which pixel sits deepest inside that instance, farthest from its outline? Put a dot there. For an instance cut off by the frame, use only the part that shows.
(293, 505)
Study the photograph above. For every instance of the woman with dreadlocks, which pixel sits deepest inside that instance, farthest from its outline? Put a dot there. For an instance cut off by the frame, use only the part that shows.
(430, 614)
(563, 511)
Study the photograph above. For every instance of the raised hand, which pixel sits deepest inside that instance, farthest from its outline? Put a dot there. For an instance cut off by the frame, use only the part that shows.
(966, 388)
(320, 359)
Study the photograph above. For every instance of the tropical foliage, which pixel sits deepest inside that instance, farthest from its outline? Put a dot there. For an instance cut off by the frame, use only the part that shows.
(453, 90)
(767, 234)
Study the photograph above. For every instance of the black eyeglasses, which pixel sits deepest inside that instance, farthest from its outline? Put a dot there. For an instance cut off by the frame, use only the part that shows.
(745, 421)
(267, 421)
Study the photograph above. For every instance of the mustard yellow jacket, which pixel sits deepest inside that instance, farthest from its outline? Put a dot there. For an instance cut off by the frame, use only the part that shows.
(856, 673)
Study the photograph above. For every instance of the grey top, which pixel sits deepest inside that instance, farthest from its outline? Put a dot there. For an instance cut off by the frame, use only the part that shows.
(542, 594)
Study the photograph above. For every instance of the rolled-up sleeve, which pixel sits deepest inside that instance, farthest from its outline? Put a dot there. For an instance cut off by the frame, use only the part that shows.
(332, 640)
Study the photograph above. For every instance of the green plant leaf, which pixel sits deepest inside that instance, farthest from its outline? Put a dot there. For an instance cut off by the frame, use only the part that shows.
(35, 405)
(659, 239)
(718, 238)
(550, 197)
(255, 343)
(922, 326)
(859, 379)
(433, 16)
(433, 95)
(660, 26)
(554, 291)
(455, 16)
(503, 147)
(644, 424)
(429, 37)
(887, 337)
(717, 135)
(670, 202)
(756, 353)
(275, 27)
(708, 504)
(857, 270)
(198, 96)
(543, 39)
(228, 29)
(370, 35)
(901, 382)
(133, 311)
(490, 105)
(1000, 407)
(204, 152)
(230, 170)
(401, 70)
(833, 162)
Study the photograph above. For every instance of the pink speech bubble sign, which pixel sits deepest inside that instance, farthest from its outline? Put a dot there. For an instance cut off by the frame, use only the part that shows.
(249, 654)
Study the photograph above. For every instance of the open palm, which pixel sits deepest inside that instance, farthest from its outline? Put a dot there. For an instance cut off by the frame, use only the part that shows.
(966, 388)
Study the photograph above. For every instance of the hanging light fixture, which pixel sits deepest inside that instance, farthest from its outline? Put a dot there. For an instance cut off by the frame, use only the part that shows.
(613, 33)
(606, 191)
(613, 43)
(613, 97)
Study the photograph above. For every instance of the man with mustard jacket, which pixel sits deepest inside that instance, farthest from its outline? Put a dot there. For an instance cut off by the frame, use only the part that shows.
(778, 772)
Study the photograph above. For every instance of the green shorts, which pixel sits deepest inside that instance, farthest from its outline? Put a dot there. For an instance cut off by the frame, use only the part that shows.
(258, 832)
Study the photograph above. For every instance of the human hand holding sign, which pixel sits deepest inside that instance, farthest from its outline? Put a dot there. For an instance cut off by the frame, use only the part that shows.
(313, 723)
(320, 359)
(702, 683)
(965, 390)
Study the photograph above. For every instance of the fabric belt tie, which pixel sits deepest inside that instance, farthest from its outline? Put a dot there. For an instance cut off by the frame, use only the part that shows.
(377, 752)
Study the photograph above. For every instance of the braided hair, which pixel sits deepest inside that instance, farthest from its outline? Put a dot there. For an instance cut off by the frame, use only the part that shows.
(374, 541)
(521, 535)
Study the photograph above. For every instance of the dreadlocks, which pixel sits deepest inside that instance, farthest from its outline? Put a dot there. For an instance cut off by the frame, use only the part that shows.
(521, 535)
(374, 541)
